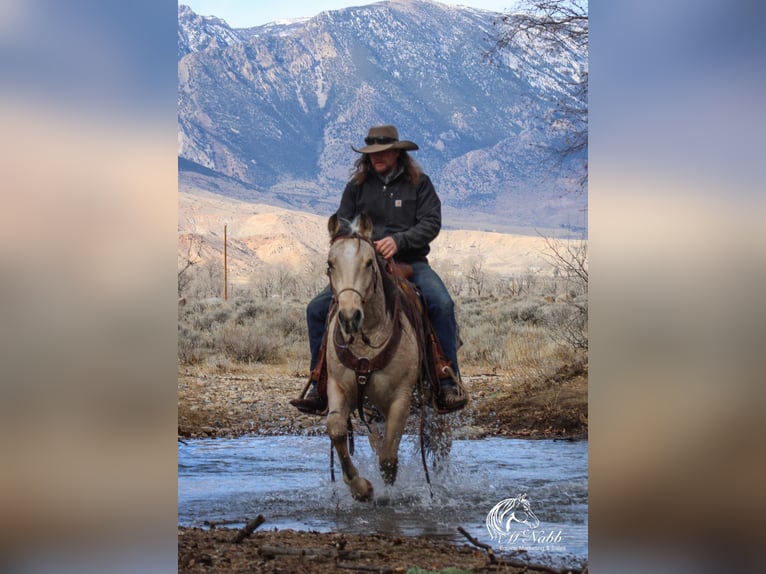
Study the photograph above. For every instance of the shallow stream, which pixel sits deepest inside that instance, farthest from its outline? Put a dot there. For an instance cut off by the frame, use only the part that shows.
(287, 480)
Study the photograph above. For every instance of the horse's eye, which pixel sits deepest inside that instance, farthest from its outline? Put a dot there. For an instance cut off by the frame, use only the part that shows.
(368, 264)
(329, 267)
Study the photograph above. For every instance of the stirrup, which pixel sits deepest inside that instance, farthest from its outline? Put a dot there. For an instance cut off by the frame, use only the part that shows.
(308, 404)
(310, 407)
(458, 402)
(458, 396)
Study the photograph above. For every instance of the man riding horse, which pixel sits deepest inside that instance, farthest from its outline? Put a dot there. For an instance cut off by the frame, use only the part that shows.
(390, 187)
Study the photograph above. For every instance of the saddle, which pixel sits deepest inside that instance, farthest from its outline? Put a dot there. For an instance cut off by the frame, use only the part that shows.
(434, 364)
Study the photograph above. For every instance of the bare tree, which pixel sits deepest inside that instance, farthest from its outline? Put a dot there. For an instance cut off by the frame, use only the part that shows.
(263, 283)
(451, 275)
(569, 259)
(313, 277)
(285, 281)
(207, 280)
(561, 25)
(476, 276)
(187, 261)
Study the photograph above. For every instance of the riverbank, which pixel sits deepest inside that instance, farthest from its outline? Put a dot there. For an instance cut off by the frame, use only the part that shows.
(254, 400)
(218, 551)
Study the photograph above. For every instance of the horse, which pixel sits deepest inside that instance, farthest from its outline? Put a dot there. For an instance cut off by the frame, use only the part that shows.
(375, 353)
(517, 509)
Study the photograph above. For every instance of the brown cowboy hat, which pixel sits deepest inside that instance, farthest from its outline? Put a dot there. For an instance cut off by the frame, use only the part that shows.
(381, 138)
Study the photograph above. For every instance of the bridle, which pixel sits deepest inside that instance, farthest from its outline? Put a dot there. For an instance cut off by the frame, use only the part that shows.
(371, 288)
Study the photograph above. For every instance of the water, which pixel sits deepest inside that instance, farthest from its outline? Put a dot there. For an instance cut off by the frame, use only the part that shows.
(287, 480)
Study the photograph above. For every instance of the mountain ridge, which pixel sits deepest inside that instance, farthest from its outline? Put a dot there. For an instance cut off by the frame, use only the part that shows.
(272, 111)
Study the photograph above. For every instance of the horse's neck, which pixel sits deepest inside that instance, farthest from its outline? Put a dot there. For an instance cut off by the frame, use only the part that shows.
(377, 322)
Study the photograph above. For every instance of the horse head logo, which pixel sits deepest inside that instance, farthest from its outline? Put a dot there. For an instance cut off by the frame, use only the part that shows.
(508, 511)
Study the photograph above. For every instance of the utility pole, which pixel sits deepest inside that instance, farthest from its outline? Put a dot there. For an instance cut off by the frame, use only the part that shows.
(225, 268)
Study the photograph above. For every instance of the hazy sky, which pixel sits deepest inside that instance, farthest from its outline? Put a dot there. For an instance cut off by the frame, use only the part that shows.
(246, 13)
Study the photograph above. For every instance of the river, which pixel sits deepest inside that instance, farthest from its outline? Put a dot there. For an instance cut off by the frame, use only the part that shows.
(287, 480)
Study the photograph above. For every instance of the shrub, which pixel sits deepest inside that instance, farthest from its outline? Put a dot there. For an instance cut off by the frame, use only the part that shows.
(192, 345)
(521, 334)
(246, 344)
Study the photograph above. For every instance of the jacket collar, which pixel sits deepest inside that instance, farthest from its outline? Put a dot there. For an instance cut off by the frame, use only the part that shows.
(391, 176)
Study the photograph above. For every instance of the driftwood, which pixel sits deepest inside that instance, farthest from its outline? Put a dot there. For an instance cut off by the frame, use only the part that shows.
(248, 529)
(487, 547)
(514, 562)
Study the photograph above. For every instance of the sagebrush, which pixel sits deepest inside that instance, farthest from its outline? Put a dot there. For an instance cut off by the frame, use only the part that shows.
(528, 336)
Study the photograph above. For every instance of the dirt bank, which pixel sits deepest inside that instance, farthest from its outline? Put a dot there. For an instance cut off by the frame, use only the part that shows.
(255, 400)
(291, 552)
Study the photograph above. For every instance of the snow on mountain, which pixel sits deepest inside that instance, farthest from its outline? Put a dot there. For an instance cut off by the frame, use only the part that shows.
(268, 114)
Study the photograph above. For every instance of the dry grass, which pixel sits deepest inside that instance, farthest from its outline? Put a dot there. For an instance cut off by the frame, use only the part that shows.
(516, 336)
(270, 331)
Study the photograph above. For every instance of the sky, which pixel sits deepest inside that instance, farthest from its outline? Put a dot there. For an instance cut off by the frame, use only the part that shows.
(246, 13)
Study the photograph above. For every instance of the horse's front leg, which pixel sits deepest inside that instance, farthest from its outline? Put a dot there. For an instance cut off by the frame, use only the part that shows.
(337, 419)
(389, 452)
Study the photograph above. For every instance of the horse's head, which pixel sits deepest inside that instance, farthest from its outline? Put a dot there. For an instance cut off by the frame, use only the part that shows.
(352, 269)
(523, 512)
(511, 510)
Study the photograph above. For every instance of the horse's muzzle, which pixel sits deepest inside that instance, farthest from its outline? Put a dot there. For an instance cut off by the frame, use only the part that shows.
(350, 321)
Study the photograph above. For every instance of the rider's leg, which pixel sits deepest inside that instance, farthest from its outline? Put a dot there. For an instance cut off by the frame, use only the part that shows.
(316, 317)
(441, 312)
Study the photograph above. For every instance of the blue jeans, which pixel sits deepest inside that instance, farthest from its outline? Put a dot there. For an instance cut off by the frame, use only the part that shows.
(441, 312)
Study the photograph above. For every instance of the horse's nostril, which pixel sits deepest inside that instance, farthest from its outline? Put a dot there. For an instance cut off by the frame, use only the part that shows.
(351, 322)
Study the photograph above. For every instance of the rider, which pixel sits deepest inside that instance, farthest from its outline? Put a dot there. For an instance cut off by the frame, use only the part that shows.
(388, 185)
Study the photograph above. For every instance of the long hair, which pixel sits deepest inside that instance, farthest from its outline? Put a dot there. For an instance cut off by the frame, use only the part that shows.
(363, 166)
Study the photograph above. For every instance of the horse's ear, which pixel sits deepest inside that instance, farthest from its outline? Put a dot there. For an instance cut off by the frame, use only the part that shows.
(333, 225)
(365, 226)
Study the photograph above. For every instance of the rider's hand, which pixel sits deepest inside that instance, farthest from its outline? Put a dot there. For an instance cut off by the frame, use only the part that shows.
(386, 247)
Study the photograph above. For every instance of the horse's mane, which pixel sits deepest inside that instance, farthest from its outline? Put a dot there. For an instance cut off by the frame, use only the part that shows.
(390, 289)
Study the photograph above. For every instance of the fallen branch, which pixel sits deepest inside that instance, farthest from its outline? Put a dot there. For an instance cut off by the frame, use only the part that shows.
(248, 529)
(514, 562)
(213, 523)
(487, 547)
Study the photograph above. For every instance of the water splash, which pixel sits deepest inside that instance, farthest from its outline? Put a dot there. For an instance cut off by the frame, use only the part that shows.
(287, 479)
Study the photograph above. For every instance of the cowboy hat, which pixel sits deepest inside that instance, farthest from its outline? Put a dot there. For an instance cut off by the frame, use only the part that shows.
(382, 138)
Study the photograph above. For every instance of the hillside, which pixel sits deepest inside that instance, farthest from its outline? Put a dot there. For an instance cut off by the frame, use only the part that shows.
(263, 236)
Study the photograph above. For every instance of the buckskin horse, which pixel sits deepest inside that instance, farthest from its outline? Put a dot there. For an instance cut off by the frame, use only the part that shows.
(374, 354)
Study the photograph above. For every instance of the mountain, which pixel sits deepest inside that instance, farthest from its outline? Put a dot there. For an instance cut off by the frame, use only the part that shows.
(268, 114)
